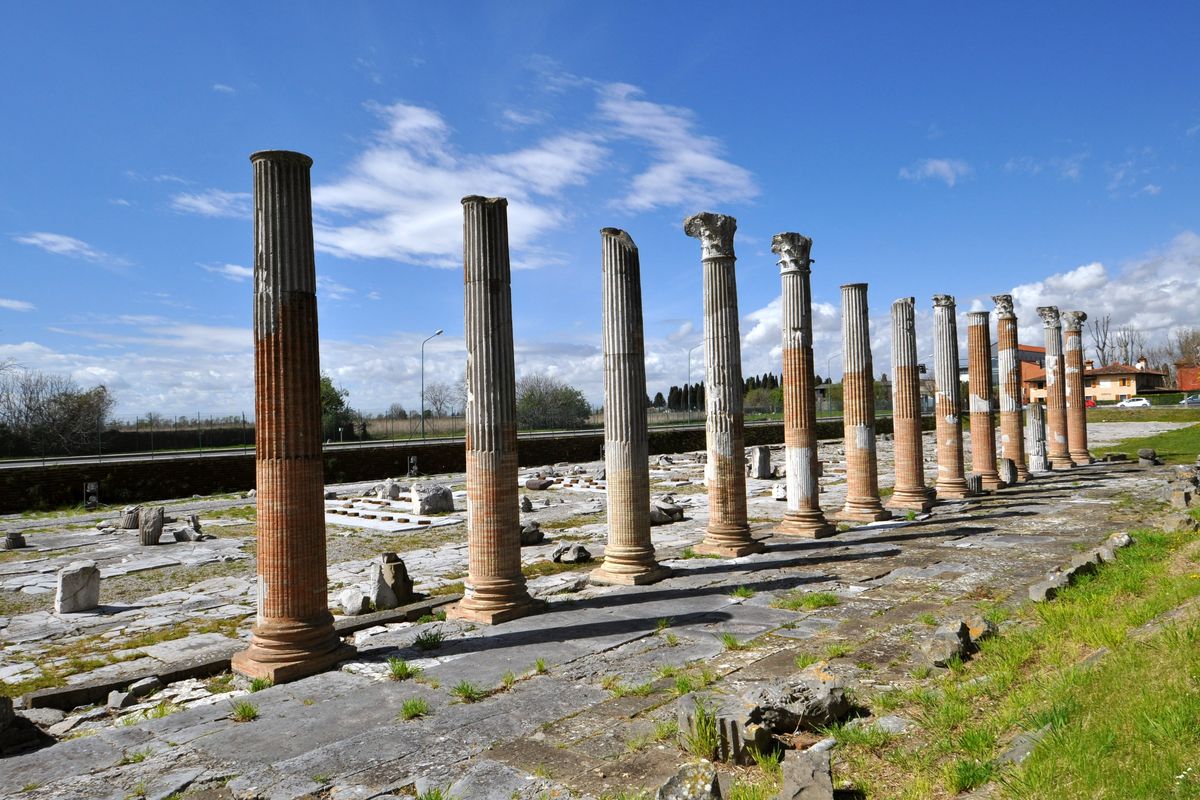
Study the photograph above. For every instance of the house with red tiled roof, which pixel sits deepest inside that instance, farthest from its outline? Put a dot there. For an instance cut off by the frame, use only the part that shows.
(1108, 384)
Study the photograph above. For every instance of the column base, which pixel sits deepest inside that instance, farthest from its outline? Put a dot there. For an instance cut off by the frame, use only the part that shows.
(1022, 473)
(1081, 457)
(915, 500)
(1061, 463)
(807, 526)
(493, 614)
(651, 575)
(245, 663)
(953, 490)
(863, 514)
(991, 481)
(728, 549)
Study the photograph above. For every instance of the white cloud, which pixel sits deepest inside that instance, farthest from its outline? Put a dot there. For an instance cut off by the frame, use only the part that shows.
(213, 203)
(223, 88)
(374, 296)
(231, 272)
(1068, 167)
(330, 289)
(16, 305)
(521, 118)
(948, 170)
(1150, 189)
(120, 201)
(69, 246)
(686, 166)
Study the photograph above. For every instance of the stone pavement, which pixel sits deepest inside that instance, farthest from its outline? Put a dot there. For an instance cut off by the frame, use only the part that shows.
(562, 730)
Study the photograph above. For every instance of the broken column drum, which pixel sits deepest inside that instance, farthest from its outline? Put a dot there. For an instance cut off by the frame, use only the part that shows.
(951, 482)
(629, 556)
(858, 410)
(293, 633)
(495, 588)
(1057, 444)
(979, 388)
(803, 516)
(1012, 435)
(1035, 438)
(1076, 397)
(910, 492)
(728, 533)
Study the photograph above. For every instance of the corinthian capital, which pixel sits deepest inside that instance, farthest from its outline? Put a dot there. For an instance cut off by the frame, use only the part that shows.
(1073, 320)
(1050, 316)
(1004, 306)
(715, 232)
(943, 301)
(793, 250)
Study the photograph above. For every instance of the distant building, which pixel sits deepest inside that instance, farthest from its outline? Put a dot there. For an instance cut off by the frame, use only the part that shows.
(1187, 376)
(1103, 384)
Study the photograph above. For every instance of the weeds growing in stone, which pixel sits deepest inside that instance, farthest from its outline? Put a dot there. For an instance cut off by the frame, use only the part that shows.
(243, 711)
(701, 739)
(429, 640)
(731, 642)
(258, 684)
(401, 670)
(742, 592)
(468, 692)
(803, 660)
(413, 708)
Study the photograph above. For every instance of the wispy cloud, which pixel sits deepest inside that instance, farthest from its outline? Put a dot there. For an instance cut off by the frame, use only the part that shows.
(223, 88)
(1149, 189)
(330, 289)
(69, 246)
(213, 203)
(1069, 167)
(521, 118)
(231, 272)
(686, 165)
(16, 305)
(948, 170)
(120, 201)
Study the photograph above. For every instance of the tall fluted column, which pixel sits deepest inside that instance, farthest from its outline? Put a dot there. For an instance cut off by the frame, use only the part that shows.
(495, 587)
(293, 633)
(1012, 437)
(951, 483)
(858, 410)
(803, 516)
(728, 533)
(983, 420)
(1076, 398)
(629, 556)
(910, 492)
(1057, 444)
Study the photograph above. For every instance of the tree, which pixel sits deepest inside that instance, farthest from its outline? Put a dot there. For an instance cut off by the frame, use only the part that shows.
(760, 399)
(440, 398)
(1129, 344)
(1184, 346)
(48, 413)
(544, 401)
(337, 418)
(659, 400)
(1098, 330)
(396, 411)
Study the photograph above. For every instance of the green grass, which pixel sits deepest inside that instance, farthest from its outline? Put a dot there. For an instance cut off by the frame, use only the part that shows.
(468, 692)
(258, 684)
(243, 711)
(1152, 414)
(688, 552)
(838, 650)
(803, 660)
(401, 670)
(701, 739)
(806, 601)
(613, 684)
(927, 618)
(539, 666)
(414, 707)
(429, 640)
(1174, 447)
(743, 592)
(731, 642)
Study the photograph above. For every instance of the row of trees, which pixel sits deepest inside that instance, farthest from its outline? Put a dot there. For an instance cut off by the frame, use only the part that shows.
(46, 414)
(1125, 344)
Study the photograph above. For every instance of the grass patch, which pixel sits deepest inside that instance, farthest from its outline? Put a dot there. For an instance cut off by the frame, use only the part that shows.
(540, 568)
(258, 684)
(688, 552)
(743, 592)
(806, 601)
(569, 522)
(701, 739)
(429, 640)
(243, 711)
(445, 589)
(1173, 447)
(731, 642)
(401, 670)
(468, 692)
(413, 708)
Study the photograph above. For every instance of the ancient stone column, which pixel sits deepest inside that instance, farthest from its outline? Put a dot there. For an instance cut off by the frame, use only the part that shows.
(495, 587)
(1012, 438)
(293, 633)
(1056, 391)
(951, 483)
(728, 533)
(979, 386)
(1035, 438)
(629, 556)
(910, 492)
(858, 410)
(1076, 398)
(803, 516)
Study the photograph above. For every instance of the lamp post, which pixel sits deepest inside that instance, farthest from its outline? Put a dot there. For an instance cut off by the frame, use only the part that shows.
(687, 387)
(438, 332)
(829, 375)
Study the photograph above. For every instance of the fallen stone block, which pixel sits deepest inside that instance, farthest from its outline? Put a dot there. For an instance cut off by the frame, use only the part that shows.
(538, 484)
(1049, 588)
(146, 686)
(526, 503)
(118, 700)
(150, 526)
(130, 517)
(1082, 564)
(1118, 540)
(947, 642)
(806, 776)
(664, 510)
(570, 553)
(736, 734)
(353, 601)
(980, 629)
(974, 483)
(758, 463)
(1181, 498)
(390, 583)
(695, 781)
(78, 588)
(808, 700)
(890, 724)
(779, 492)
(1008, 470)
(13, 541)
(431, 498)
(531, 533)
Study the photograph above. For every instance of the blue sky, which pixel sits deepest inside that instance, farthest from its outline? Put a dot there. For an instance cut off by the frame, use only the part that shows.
(925, 147)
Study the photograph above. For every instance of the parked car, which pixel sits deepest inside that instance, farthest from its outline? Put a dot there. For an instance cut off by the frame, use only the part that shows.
(1134, 402)
(1090, 403)
(1194, 400)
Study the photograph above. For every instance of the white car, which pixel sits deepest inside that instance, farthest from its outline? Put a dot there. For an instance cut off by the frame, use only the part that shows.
(1134, 402)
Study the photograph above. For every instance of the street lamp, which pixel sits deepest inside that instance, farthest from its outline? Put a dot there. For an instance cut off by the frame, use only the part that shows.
(829, 365)
(438, 332)
(687, 389)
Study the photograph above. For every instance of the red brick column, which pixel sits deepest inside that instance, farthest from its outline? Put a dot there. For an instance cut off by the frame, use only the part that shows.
(1057, 443)
(1076, 398)
(803, 516)
(495, 587)
(910, 492)
(728, 533)
(293, 632)
(629, 556)
(979, 376)
(858, 410)
(951, 482)
(1012, 431)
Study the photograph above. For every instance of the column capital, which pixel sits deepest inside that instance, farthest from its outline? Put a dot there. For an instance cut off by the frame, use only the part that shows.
(793, 250)
(1073, 320)
(943, 301)
(1004, 306)
(1050, 316)
(715, 232)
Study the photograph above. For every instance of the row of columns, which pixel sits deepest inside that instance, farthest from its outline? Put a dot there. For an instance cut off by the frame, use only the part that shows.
(293, 634)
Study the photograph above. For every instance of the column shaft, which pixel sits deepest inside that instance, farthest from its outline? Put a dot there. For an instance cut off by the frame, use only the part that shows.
(951, 483)
(1057, 443)
(803, 516)
(858, 410)
(1076, 397)
(293, 633)
(1012, 438)
(629, 556)
(728, 533)
(495, 587)
(979, 377)
(910, 492)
